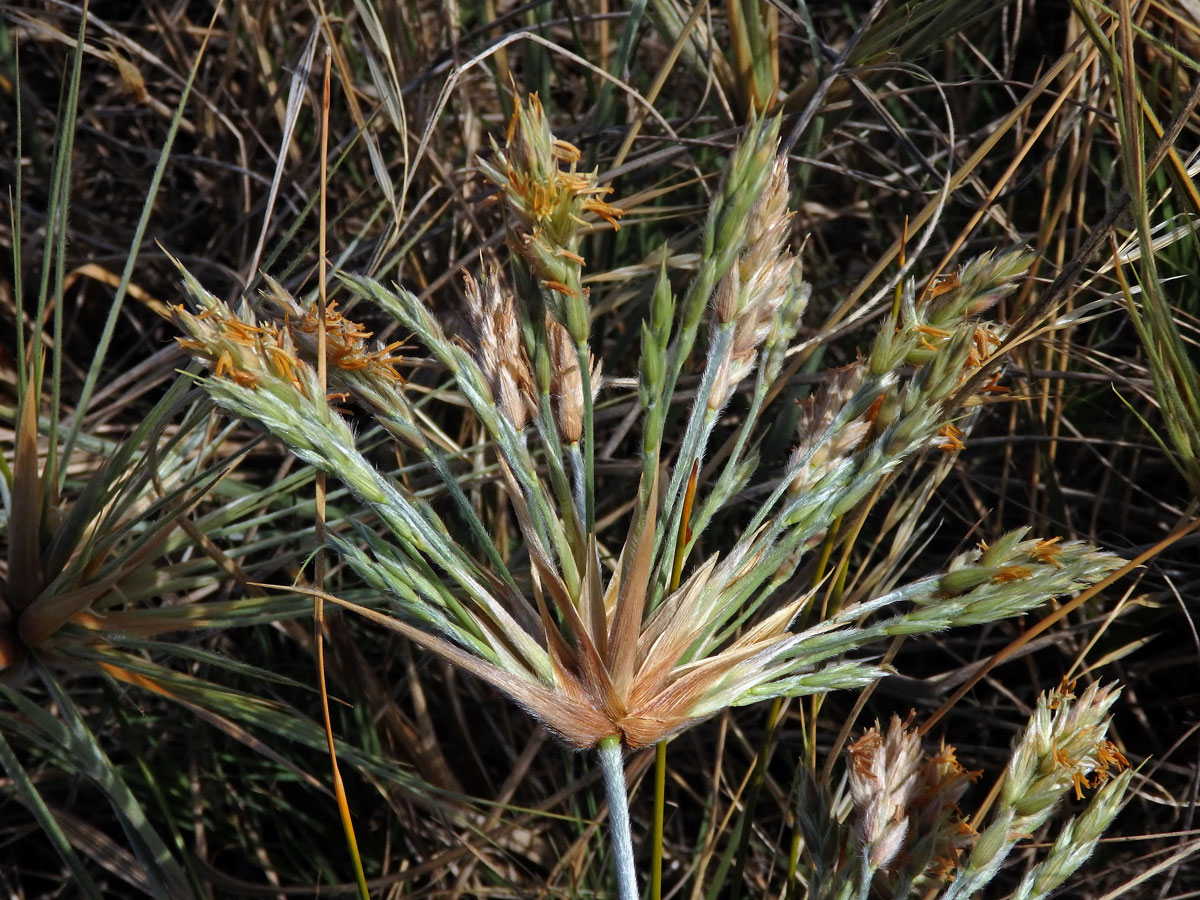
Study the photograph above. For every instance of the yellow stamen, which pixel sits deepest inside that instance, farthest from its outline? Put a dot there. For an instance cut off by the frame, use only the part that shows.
(1012, 573)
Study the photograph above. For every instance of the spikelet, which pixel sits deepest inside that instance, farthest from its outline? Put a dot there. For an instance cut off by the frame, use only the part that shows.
(748, 297)
(501, 352)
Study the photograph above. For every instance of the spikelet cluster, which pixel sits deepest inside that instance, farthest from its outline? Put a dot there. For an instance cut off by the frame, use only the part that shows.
(906, 821)
(238, 347)
(906, 836)
(499, 345)
(748, 298)
(908, 394)
(550, 201)
(566, 381)
(1063, 751)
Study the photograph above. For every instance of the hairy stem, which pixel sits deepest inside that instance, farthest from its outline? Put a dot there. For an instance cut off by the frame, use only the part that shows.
(618, 816)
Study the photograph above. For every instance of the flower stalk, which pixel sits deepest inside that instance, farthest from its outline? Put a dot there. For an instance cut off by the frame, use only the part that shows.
(613, 769)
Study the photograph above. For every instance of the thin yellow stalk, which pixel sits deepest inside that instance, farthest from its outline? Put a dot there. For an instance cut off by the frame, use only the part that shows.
(339, 787)
(656, 823)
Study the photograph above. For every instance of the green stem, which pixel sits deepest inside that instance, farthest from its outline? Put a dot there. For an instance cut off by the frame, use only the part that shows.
(656, 827)
(589, 439)
(618, 816)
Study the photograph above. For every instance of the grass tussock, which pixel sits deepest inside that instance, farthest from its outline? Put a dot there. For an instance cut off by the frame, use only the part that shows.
(652, 397)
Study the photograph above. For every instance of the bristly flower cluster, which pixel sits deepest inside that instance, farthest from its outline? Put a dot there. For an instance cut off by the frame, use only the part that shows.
(903, 835)
(906, 817)
(654, 641)
(549, 206)
(1064, 750)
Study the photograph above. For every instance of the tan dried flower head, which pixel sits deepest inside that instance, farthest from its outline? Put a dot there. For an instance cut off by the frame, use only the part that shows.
(818, 453)
(748, 297)
(502, 357)
(885, 777)
(566, 382)
(906, 814)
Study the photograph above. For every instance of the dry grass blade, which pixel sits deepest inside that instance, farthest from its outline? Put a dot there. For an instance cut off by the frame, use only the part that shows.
(28, 501)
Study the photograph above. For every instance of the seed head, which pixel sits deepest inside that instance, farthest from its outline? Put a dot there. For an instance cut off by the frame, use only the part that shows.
(885, 776)
(749, 295)
(567, 383)
(501, 351)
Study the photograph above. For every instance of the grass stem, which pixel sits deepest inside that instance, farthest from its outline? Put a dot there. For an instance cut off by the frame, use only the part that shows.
(618, 816)
(656, 823)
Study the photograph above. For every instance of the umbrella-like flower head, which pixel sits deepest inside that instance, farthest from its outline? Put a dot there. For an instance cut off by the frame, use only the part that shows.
(645, 641)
